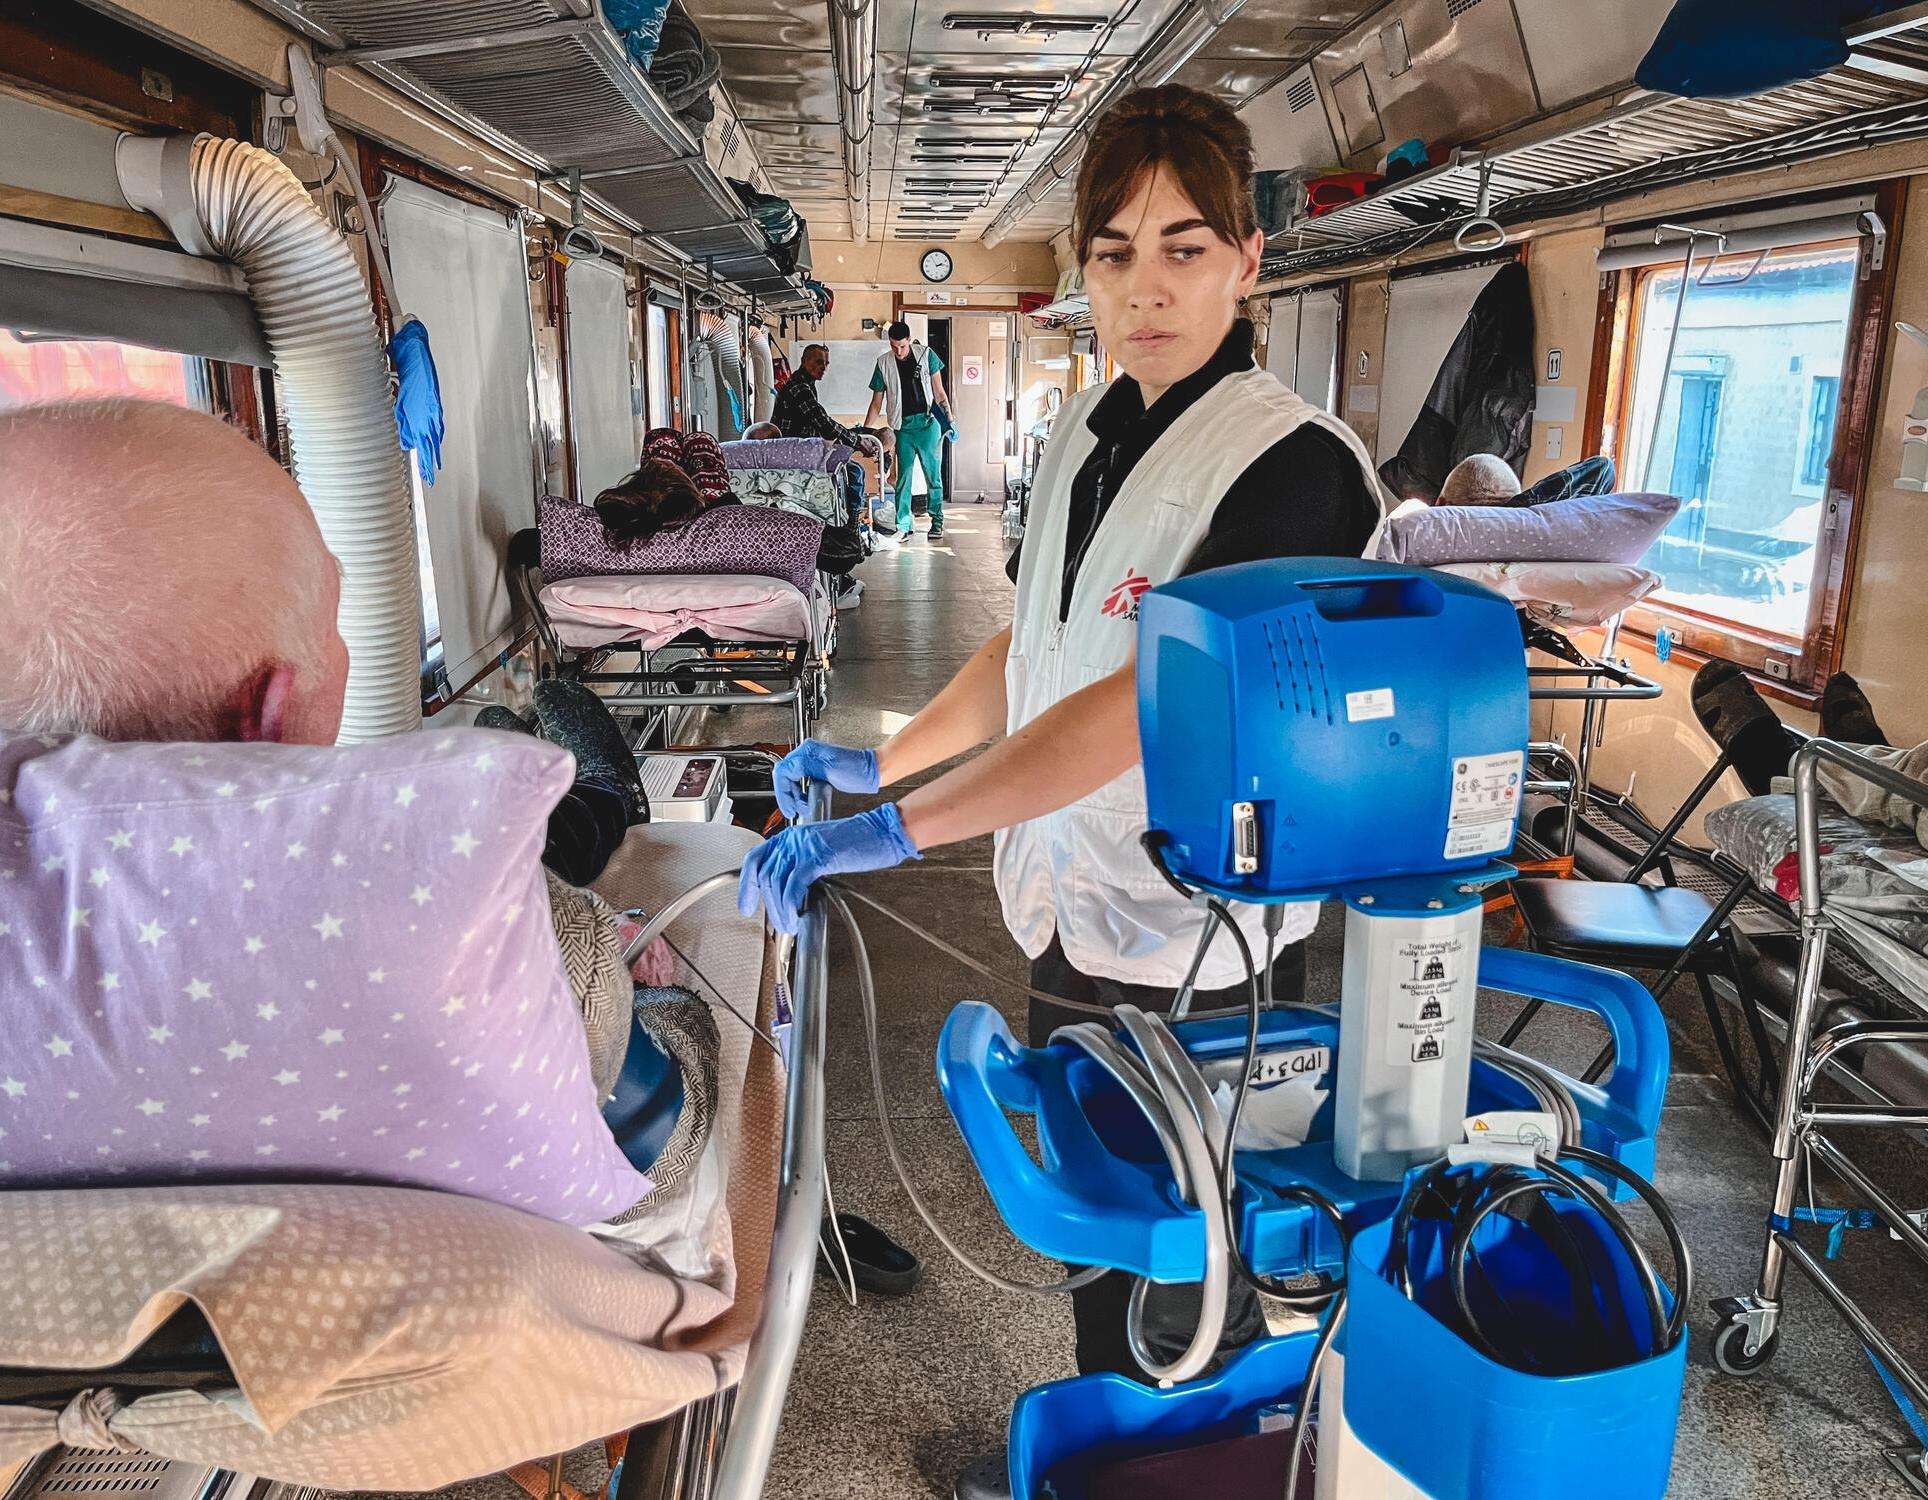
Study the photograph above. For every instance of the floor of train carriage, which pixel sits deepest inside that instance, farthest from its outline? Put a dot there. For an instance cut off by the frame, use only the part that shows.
(890, 1398)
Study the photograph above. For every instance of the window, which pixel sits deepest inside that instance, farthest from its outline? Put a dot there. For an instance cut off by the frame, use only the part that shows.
(35, 368)
(1824, 397)
(657, 343)
(1730, 399)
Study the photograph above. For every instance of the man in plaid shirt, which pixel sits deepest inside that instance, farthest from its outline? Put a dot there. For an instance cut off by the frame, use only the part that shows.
(799, 413)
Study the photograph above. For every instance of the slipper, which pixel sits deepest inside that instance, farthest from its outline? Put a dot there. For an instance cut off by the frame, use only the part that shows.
(880, 1265)
(1847, 715)
(1725, 702)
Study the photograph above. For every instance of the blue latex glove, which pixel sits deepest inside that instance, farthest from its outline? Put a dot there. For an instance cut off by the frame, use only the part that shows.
(780, 871)
(818, 760)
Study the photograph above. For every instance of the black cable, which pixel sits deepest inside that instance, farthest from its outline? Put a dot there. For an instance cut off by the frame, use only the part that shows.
(1475, 1198)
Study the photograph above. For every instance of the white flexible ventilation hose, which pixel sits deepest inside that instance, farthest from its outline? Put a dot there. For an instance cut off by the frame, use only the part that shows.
(231, 201)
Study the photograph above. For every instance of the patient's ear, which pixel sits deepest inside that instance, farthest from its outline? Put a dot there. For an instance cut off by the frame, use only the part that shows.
(260, 706)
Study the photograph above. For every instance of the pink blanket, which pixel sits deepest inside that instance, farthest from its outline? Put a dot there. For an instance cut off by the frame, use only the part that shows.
(655, 608)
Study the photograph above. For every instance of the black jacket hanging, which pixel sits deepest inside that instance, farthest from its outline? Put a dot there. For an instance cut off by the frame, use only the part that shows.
(1482, 398)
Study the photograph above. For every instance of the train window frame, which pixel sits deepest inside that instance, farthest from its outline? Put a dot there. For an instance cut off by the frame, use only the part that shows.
(1788, 666)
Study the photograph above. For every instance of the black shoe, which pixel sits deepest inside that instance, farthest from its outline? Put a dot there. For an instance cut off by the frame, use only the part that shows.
(1847, 715)
(881, 1266)
(936, 532)
(495, 716)
(571, 716)
(1736, 717)
(986, 1478)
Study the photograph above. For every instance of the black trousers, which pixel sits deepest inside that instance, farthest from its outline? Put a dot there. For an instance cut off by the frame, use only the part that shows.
(1171, 1312)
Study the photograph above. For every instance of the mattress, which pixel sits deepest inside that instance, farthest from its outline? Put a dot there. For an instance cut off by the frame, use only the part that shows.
(652, 609)
(1874, 880)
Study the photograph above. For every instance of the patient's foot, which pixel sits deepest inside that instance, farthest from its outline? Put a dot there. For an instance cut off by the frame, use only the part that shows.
(1737, 718)
(571, 716)
(1847, 715)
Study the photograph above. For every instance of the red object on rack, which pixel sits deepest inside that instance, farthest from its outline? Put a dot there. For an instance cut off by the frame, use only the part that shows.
(1323, 194)
(1030, 302)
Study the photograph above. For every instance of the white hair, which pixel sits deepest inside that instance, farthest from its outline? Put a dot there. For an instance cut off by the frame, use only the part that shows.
(147, 570)
(1479, 479)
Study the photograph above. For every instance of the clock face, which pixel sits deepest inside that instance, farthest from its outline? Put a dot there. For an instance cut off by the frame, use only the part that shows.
(936, 265)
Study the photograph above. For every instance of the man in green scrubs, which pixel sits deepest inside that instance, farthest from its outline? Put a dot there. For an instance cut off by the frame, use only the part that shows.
(908, 385)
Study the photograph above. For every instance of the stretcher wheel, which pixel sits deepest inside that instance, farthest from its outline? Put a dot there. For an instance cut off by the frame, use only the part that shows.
(1730, 1348)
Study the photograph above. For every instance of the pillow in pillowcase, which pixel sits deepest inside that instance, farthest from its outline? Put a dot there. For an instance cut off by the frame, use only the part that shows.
(1588, 528)
(269, 963)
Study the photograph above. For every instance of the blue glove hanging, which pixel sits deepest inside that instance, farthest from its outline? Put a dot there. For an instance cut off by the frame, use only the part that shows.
(780, 871)
(817, 760)
(418, 397)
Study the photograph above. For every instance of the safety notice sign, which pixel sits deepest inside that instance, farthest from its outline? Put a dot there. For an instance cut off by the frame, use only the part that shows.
(1427, 974)
(970, 370)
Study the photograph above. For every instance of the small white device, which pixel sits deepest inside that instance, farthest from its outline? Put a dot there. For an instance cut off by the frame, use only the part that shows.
(685, 788)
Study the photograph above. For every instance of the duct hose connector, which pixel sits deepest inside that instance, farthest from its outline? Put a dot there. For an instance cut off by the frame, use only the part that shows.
(228, 200)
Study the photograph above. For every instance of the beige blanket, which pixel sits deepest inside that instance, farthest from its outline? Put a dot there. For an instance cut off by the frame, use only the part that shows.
(388, 1338)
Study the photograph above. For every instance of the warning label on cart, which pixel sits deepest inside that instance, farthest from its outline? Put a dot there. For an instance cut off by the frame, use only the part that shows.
(1427, 975)
(1486, 797)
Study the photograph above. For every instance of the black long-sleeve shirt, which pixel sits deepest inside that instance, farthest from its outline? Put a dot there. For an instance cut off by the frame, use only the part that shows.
(799, 413)
(1305, 496)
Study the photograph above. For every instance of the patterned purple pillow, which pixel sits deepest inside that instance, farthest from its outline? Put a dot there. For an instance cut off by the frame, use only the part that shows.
(727, 539)
(235, 963)
(818, 455)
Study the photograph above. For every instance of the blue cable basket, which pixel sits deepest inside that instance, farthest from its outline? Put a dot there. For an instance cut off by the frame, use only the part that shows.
(1061, 1431)
(1099, 1191)
(1461, 1426)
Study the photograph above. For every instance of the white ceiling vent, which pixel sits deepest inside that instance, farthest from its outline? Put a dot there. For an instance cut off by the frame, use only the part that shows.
(1456, 8)
(1301, 93)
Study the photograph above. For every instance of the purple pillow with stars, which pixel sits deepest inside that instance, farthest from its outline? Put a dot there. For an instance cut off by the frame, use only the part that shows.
(270, 963)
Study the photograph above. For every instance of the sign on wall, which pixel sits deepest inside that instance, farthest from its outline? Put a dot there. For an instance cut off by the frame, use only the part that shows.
(970, 369)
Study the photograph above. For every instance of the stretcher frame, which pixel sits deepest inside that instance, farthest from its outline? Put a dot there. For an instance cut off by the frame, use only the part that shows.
(1748, 1333)
(685, 676)
(1595, 681)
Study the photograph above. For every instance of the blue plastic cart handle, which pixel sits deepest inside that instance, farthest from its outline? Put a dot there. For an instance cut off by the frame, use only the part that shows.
(1641, 1050)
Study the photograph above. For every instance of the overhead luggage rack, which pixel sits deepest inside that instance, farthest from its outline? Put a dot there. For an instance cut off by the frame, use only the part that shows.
(1637, 142)
(548, 82)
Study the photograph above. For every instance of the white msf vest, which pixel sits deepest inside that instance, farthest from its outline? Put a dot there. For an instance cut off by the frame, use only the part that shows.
(894, 382)
(1081, 872)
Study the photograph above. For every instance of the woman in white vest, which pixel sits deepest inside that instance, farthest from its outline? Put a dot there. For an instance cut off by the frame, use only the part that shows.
(1193, 459)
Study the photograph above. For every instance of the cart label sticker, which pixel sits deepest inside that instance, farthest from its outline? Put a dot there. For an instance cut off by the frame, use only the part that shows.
(1431, 995)
(1374, 703)
(1485, 801)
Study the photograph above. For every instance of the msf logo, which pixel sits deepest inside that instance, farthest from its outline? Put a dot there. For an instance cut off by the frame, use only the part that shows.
(1122, 602)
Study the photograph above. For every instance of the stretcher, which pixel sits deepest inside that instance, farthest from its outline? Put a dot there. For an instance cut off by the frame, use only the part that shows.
(686, 641)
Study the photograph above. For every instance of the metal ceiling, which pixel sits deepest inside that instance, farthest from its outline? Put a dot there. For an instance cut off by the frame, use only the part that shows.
(979, 90)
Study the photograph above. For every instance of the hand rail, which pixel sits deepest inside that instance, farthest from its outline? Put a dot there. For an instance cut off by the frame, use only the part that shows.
(745, 1461)
(1807, 789)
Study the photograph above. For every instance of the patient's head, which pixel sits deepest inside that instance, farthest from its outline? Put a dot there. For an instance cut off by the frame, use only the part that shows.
(1480, 479)
(658, 495)
(164, 579)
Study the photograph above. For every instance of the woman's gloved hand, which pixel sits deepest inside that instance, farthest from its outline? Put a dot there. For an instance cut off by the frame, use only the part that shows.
(818, 760)
(780, 871)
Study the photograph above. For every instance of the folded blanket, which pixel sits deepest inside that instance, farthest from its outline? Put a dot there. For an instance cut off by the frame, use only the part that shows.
(818, 455)
(686, 66)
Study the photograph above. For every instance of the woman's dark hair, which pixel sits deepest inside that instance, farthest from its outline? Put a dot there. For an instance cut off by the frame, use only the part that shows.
(1204, 145)
(657, 496)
